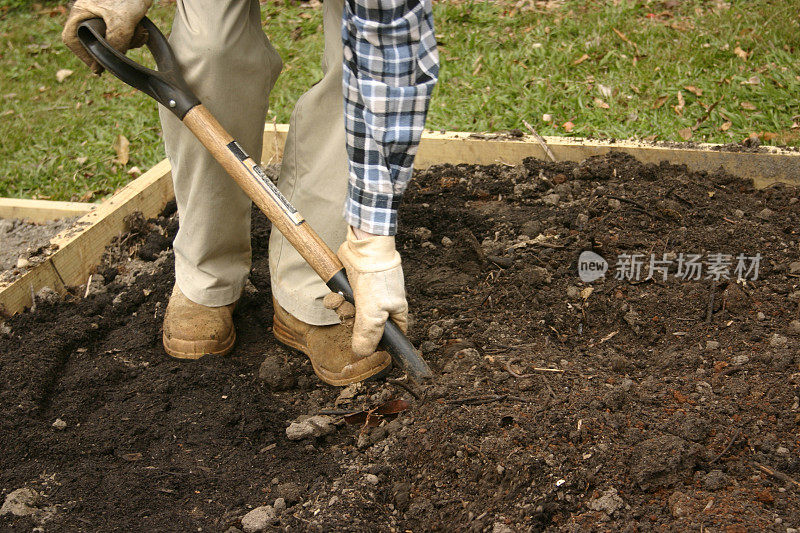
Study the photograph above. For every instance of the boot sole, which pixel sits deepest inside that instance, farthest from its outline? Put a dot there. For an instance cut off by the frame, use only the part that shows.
(285, 336)
(174, 349)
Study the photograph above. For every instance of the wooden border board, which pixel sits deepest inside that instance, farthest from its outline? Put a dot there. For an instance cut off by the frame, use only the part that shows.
(764, 167)
(40, 211)
(80, 248)
(80, 251)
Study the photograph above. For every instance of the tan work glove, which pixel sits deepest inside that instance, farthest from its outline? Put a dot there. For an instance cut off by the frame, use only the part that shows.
(373, 268)
(122, 25)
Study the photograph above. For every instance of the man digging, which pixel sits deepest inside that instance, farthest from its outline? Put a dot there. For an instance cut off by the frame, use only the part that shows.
(357, 150)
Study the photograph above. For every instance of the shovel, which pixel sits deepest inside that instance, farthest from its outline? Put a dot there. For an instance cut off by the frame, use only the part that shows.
(167, 87)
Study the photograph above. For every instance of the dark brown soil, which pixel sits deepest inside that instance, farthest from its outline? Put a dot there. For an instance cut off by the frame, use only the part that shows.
(675, 408)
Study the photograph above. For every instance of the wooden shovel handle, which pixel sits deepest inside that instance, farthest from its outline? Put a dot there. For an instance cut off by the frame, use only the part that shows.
(248, 175)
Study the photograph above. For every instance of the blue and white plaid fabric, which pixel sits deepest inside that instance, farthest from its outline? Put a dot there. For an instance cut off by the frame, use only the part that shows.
(390, 68)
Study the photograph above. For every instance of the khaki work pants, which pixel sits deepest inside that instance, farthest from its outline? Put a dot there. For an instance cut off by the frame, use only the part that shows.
(230, 64)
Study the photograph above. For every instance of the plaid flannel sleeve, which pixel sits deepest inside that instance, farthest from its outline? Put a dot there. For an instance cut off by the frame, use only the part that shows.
(390, 69)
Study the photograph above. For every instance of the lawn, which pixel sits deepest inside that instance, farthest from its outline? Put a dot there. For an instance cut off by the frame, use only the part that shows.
(670, 70)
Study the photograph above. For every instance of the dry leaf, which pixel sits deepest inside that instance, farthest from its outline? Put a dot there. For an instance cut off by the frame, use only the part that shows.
(748, 106)
(768, 136)
(726, 126)
(741, 53)
(685, 133)
(581, 59)
(63, 74)
(605, 90)
(568, 126)
(600, 103)
(135, 172)
(122, 147)
(586, 292)
(681, 104)
(660, 101)
(477, 65)
(753, 80)
(694, 90)
(81, 160)
(651, 138)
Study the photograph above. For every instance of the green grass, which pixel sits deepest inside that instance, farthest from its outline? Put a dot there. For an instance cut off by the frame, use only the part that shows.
(500, 66)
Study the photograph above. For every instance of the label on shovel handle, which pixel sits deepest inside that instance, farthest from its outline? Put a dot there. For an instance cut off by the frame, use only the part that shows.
(266, 184)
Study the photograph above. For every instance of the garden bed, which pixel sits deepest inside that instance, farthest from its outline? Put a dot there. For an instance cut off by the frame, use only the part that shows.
(656, 404)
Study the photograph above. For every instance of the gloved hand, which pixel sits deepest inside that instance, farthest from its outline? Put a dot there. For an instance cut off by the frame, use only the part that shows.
(122, 25)
(374, 270)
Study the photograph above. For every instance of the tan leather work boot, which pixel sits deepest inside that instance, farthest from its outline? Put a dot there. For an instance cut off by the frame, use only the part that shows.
(192, 330)
(328, 348)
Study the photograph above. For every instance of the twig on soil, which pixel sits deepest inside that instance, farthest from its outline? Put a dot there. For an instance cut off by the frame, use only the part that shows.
(88, 286)
(480, 400)
(777, 475)
(535, 370)
(540, 140)
(728, 447)
(639, 207)
(403, 385)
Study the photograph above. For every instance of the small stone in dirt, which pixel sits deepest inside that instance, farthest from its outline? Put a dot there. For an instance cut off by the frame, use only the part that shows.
(794, 267)
(794, 327)
(539, 276)
(59, 424)
(620, 363)
(233, 529)
(259, 519)
(22, 262)
(778, 341)
(21, 502)
(715, 480)
(738, 213)
(679, 504)
(313, 426)
(428, 347)
(422, 234)
(434, 332)
(532, 228)
(761, 316)
(447, 242)
(500, 527)
(552, 199)
(631, 317)
(48, 295)
(614, 204)
(712, 345)
(765, 214)
(573, 293)
(291, 492)
(372, 479)
(660, 461)
(741, 359)
(581, 220)
(276, 373)
(279, 505)
(609, 502)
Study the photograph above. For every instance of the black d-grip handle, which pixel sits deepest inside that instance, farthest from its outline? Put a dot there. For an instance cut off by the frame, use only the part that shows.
(166, 85)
